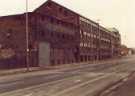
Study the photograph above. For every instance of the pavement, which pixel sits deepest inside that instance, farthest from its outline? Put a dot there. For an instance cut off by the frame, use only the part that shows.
(17, 71)
(56, 67)
(46, 68)
(77, 80)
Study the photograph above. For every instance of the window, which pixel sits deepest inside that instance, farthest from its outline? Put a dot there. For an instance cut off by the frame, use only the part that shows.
(49, 4)
(52, 20)
(85, 33)
(65, 13)
(63, 36)
(58, 22)
(58, 35)
(52, 34)
(42, 33)
(30, 46)
(81, 32)
(42, 18)
(60, 9)
(58, 61)
(52, 62)
(81, 44)
(8, 34)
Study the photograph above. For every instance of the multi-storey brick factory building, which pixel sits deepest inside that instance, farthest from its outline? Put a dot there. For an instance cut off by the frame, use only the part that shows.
(57, 35)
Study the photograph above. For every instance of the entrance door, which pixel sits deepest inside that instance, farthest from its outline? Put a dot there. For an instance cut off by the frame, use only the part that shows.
(44, 54)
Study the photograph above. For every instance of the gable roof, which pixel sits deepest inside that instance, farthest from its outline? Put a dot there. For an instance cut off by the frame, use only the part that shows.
(45, 4)
(52, 1)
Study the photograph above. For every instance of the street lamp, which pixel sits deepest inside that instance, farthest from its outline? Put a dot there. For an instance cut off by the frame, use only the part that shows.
(27, 37)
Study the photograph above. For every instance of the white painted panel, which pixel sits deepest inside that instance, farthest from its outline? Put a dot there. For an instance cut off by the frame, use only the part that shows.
(44, 54)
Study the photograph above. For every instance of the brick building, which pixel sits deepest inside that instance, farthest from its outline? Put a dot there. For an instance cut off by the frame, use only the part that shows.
(57, 35)
(115, 41)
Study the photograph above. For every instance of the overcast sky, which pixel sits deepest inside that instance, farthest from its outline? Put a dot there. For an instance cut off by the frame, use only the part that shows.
(111, 13)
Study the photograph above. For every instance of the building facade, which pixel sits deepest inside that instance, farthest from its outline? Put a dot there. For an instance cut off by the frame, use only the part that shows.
(57, 35)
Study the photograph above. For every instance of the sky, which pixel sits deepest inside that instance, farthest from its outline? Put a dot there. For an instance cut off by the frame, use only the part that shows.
(109, 13)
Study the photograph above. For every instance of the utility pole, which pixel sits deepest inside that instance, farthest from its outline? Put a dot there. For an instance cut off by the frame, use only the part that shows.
(27, 37)
(98, 49)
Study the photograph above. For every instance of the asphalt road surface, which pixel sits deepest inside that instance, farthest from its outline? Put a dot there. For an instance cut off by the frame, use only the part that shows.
(85, 80)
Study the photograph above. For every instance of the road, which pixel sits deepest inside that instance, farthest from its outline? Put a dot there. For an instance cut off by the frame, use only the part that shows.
(81, 80)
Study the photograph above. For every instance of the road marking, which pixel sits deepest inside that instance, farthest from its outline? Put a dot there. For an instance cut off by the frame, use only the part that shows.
(77, 81)
(41, 85)
(30, 94)
(79, 85)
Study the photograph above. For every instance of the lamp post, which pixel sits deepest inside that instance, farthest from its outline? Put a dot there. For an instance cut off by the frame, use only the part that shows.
(98, 49)
(27, 37)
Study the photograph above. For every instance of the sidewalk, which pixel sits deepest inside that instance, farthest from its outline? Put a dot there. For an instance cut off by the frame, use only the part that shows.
(4, 72)
(56, 67)
(17, 71)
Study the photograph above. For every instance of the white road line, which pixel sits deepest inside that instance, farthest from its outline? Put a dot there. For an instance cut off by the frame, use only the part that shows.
(41, 85)
(30, 94)
(77, 80)
(79, 85)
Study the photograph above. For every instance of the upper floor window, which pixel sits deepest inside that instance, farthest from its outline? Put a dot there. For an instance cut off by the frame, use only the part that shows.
(42, 33)
(60, 9)
(63, 36)
(8, 34)
(58, 22)
(52, 20)
(49, 4)
(65, 13)
(42, 17)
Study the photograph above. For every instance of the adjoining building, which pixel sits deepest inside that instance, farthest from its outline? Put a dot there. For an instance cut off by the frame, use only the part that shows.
(125, 51)
(115, 42)
(57, 35)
